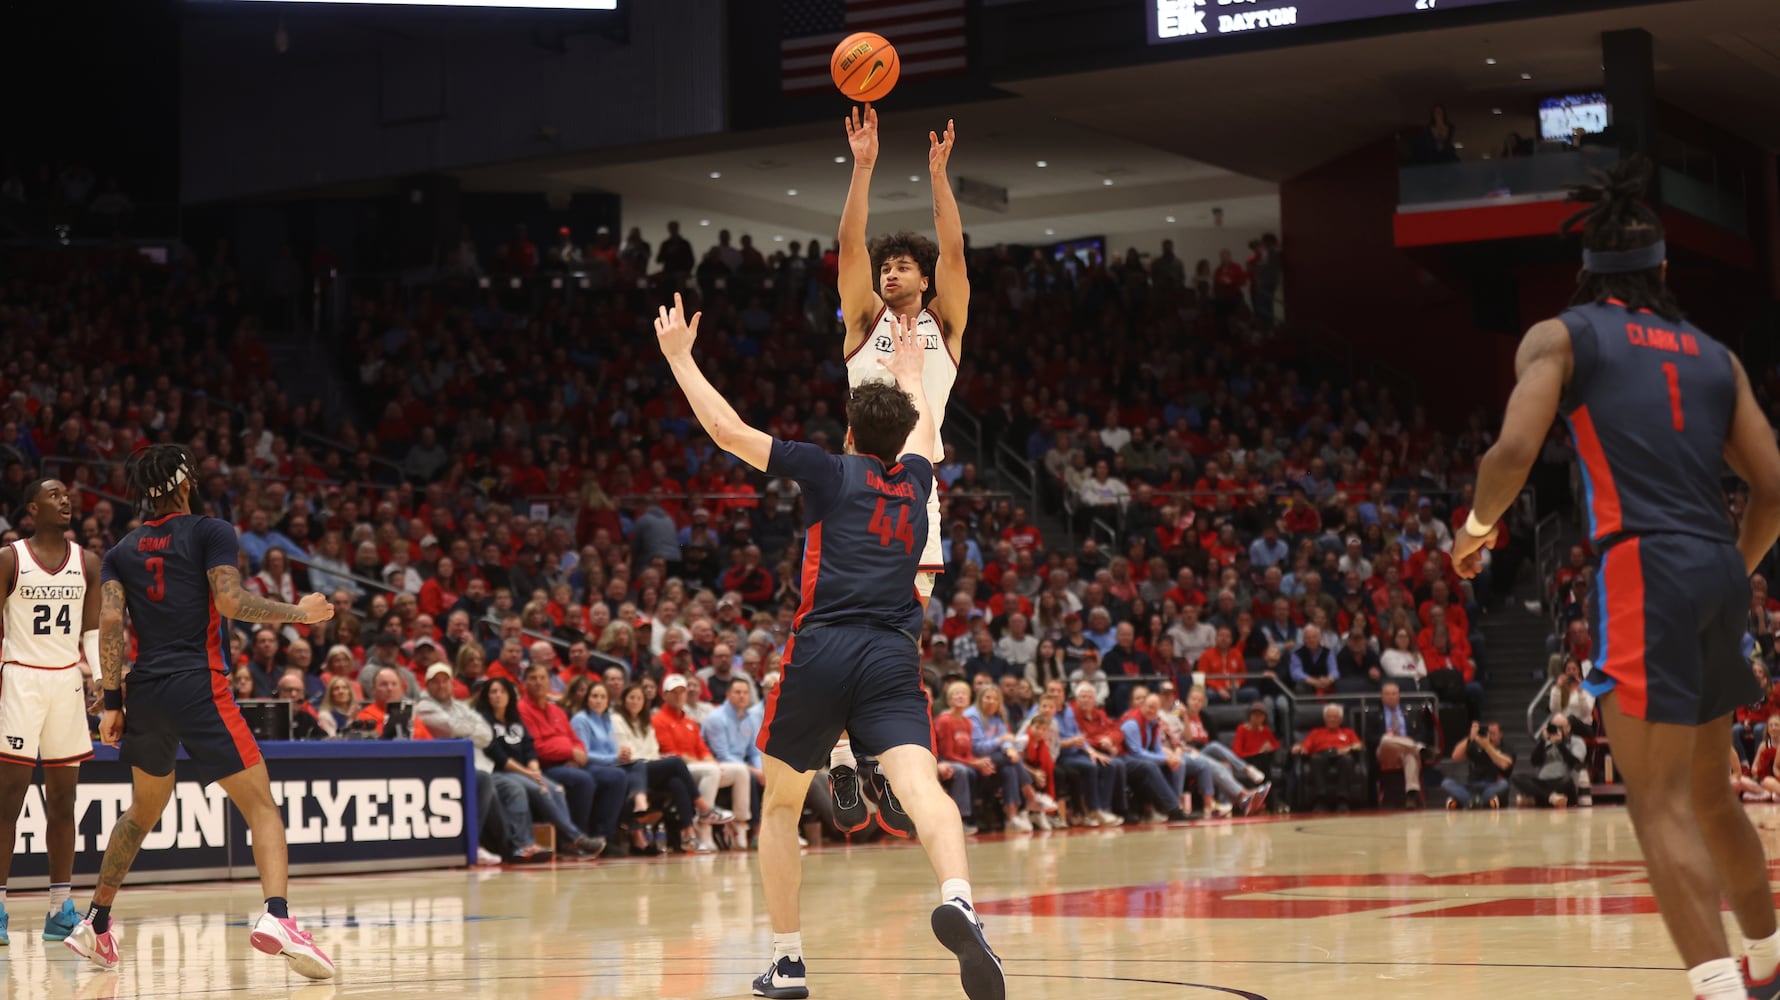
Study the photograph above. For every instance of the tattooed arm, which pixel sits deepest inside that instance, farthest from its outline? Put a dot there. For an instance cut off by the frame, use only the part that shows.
(245, 606)
(114, 648)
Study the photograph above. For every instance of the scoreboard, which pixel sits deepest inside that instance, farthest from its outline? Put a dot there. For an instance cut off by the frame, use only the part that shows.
(1193, 20)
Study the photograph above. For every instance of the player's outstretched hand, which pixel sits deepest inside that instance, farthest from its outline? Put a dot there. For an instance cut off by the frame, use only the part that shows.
(862, 135)
(673, 331)
(1467, 550)
(111, 727)
(907, 357)
(315, 608)
(939, 148)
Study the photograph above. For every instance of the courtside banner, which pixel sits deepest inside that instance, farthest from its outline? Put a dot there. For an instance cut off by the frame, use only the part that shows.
(349, 806)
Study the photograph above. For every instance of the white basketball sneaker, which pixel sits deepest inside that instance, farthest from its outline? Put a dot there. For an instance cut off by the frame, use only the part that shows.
(273, 936)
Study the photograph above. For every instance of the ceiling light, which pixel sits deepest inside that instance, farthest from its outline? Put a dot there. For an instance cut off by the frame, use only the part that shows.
(1107, 182)
(716, 174)
(1168, 218)
(1458, 145)
(1043, 163)
(1526, 76)
(791, 191)
(1490, 61)
(779, 238)
(914, 178)
(704, 222)
(840, 159)
(1495, 111)
(1050, 232)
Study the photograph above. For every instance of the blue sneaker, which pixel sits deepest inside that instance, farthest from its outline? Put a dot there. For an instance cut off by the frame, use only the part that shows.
(784, 981)
(61, 923)
(956, 925)
(5, 938)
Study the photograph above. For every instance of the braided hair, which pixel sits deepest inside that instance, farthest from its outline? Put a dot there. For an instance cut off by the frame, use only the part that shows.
(1618, 218)
(150, 475)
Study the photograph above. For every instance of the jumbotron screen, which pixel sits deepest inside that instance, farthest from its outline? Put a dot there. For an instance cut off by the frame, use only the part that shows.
(1191, 20)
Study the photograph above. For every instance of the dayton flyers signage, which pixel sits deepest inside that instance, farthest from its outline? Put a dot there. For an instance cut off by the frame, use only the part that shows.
(418, 810)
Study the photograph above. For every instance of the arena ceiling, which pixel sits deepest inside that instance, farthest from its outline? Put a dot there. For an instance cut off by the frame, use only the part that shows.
(1157, 147)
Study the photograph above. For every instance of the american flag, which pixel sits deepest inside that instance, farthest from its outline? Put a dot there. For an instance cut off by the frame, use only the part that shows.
(928, 35)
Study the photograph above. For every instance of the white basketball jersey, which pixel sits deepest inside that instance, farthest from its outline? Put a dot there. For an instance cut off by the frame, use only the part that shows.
(45, 611)
(937, 375)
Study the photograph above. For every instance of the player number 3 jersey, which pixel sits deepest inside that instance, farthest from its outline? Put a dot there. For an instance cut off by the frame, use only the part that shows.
(43, 618)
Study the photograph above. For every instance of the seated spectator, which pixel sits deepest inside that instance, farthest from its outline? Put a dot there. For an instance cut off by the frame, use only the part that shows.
(339, 706)
(1358, 665)
(1487, 765)
(595, 792)
(679, 735)
(1090, 673)
(1450, 673)
(984, 659)
(1556, 760)
(1404, 740)
(1743, 782)
(1749, 729)
(1313, 668)
(1767, 759)
(1333, 750)
(242, 684)
(953, 738)
(668, 777)
(730, 731)
(504, 807)
(1158, 769)
(1569, 698)
(1097, 772)
(1255, 744)
(1040, 748)
(386, 690)
(1221, 664)
(1402, 662)
(1018, 647)
(992, 737)
(515, 762)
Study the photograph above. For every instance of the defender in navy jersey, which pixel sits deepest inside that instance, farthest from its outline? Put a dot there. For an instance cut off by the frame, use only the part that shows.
(177, 576)
(1656, 408)
(853, 660)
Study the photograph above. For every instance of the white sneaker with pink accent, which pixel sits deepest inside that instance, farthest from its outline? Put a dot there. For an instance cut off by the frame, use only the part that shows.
(273, 936)
(99, 949)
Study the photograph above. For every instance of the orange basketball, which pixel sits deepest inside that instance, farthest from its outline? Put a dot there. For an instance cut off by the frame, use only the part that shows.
(865, 67)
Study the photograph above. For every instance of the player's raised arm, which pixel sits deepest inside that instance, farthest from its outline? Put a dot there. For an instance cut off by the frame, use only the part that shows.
(719, 419)
(952, 274)
(245, 606)
(1541, 367)
(906, 364)
(1751, 452)
(858, 287)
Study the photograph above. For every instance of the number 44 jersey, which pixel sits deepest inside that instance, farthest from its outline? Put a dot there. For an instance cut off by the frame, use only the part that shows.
(865, 527)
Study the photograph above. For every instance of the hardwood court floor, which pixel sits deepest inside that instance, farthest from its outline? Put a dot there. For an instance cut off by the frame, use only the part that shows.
(1429, 905)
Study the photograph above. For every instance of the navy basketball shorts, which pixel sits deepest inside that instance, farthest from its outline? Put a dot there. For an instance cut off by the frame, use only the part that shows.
(1667, 620)
(194, 709)
(862, 679)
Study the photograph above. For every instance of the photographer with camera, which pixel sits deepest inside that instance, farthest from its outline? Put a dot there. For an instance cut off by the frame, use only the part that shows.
(1488, 763)
(1557, 756)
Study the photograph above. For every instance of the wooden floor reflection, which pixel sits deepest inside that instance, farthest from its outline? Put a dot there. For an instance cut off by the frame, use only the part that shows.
(1454, 906)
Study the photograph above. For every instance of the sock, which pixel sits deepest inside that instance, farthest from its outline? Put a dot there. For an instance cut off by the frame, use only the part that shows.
(59, 893)
(842, 756)
(276, 906)
(2, 897)
(1719, 979)
(788, 946)
(956, 888)
(99, 917)
(1764, 957)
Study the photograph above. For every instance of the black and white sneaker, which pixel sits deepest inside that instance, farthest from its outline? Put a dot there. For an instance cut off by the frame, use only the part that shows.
(850, 813)
(890, 815)
(784, 981)
(956, 925)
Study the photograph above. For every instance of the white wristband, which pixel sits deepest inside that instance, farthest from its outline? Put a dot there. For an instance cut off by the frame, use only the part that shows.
(1477, 528)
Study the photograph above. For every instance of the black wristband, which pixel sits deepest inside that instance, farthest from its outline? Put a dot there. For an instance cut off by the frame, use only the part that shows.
(114, 699)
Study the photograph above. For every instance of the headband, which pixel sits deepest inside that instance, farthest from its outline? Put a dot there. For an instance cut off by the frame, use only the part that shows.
(1625, 261)
(168, 487)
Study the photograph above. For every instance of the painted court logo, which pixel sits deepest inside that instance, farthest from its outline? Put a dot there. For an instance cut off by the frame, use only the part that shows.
(1618, 888)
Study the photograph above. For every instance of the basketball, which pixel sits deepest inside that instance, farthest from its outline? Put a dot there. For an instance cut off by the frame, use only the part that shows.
(865, 67)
